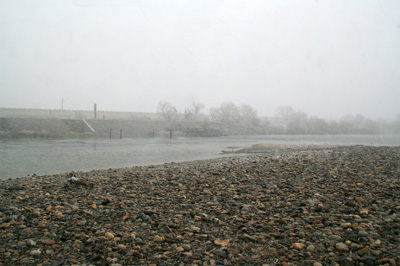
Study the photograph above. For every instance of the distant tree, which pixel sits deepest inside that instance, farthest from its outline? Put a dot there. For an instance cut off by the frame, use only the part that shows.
(295, 122)
(285, 113)
(193, 112)
(345, 124)
(167, 111)
(248, 115)
(226, 113)
(317, 126)
(394, 127)
(298, 123)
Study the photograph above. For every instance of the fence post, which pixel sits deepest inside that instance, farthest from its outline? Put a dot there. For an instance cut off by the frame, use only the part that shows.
(120, 133)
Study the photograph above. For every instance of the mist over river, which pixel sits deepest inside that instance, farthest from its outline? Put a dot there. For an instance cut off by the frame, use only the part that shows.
(20, 158)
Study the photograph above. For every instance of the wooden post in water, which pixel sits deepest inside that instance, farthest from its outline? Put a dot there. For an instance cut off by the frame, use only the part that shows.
(95, 111)
(170, 134)
(110, 132)
(120, 133)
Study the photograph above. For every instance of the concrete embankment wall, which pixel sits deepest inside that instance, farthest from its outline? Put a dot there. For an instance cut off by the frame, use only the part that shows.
(74, 114)
(17, 123)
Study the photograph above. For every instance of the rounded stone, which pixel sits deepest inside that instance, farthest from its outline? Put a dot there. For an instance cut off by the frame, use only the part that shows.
(298, 246)
(342, 247)
(35, 252)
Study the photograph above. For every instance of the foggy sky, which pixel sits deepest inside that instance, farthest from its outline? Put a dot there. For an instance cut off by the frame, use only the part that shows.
(327, 58)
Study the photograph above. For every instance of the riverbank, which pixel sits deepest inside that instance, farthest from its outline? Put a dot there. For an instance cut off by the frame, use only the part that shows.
(54, 128)
(60, 124)
(330, 206)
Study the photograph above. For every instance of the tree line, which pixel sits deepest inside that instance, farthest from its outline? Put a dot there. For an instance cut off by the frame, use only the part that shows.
(287, 120)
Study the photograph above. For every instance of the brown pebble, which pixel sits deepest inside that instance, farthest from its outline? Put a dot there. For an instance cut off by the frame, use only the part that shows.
(109, 235)
(223, 243)
(48, 242)
(298, 246)
(158, 239)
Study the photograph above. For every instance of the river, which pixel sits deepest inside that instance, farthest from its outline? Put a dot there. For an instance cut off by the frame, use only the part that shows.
(21, 158)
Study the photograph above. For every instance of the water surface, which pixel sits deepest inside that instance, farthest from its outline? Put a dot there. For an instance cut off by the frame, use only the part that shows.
(19, 158)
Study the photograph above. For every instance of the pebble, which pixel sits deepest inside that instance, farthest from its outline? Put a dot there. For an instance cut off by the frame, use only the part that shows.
(35, 252)
(158, 239)
(311, 248)
(342, 247)
(48, 241)
(298, 245)
(312, 205)
(109, 235)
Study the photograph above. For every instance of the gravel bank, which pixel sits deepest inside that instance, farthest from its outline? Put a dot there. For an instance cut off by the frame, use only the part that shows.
(331, 206)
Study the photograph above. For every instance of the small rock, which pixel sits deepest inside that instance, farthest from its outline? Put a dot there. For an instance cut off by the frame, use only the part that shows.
(249, 238)
(158, 239)
(376, 243)
(342, 247)
(359, 199)
(121, 246)
(109, 235)
(311, 248)
(21, 243)
(345, 262)
(27, 260)
(35, 252)
(195, 229)
(135, 253)
(298, 246)
(363, 251)
(223, 243)
(390, 261)
(48, 241)
(335, 238)
(30, 242)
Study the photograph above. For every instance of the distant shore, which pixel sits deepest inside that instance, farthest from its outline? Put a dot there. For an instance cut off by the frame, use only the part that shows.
(319, 206)
(59, 124)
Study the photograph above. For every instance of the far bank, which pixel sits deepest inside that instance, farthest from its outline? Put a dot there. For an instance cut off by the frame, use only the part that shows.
(42, 123)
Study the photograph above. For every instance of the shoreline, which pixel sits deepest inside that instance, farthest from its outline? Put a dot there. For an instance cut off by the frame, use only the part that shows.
(314, 205)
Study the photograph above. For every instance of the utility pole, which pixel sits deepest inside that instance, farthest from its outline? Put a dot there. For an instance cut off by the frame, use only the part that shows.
(95, 111)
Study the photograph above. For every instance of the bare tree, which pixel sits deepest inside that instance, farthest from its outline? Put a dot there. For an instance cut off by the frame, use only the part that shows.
(167, 111)
(193, 112)
(317, 126)
(396, 125)
(248, 115)
(294, 121)
(226, 113)
(285, 112)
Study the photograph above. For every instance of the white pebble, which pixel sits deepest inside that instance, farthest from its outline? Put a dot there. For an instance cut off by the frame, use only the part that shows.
(35, 252)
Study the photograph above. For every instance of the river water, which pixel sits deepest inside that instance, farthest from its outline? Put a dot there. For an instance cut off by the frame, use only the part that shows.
(20, 158)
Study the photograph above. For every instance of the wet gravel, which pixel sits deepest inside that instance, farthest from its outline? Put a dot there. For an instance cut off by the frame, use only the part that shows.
(331, 206)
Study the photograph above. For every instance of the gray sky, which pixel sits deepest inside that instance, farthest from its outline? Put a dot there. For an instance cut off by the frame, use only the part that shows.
(327, 58)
